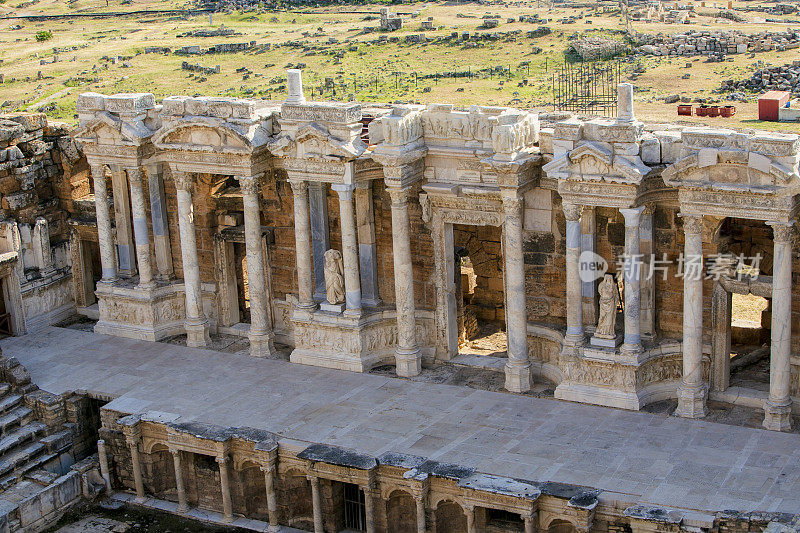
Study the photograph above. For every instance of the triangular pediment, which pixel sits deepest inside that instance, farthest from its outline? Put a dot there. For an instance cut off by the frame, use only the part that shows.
(595, 162)
(105, 128)
(313, 141)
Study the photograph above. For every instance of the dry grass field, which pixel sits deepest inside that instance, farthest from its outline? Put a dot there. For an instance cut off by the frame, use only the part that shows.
(107, 55)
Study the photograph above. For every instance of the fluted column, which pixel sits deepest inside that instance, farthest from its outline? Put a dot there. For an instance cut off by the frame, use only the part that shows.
(227, 507)
(179, 486)
(261, 334)
(140, 231)
(102, 456)
(196, 322)
(574, 336)
(105, 236)
(778, 408)
(518, 367)
(133, 446)
(420, 501)
(316, 504)
(352, 278)
(272, 502)
(633, 263)
(692, 391)
(407, 354)
(302, 235)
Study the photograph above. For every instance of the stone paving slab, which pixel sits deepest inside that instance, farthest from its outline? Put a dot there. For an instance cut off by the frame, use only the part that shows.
(651, 458)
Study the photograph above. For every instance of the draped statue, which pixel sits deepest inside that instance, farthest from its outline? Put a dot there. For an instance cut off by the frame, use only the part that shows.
(609, 300)
(334, 277)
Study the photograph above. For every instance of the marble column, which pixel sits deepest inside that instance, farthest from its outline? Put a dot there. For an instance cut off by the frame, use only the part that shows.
(316, 504)
(574, 336)
(196, 322)
(140, 231)
(470, 512)
(160, 222)
(133, 446)
(530, 526)
(367, 245)
(302, 235)
(320, 234)
(227, 507)
(778, 408)
(183, 506)
(126, 251)
(518, 366)
(420, 501)
(632, 343)
(692, 391)
(625, 103)
(102, 456)
(369, 512)
(589, 244)
(407, 355)
(261, 335)
(105, 236)
(272, 502)
(352, 278)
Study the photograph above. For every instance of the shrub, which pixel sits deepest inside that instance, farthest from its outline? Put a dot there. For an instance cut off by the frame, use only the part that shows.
(44, 35)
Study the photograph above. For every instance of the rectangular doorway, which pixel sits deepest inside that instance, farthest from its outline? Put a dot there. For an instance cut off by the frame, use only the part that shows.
(355, 511)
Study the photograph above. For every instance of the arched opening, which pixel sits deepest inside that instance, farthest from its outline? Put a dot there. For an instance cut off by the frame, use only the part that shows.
(560, 526)
(401, 512)
(159, 473)
(450, 518)
(294, 497)
(250, 499)
(480, 301)
(500, 520)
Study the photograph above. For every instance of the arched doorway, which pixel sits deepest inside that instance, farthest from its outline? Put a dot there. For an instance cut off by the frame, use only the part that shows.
(450, 518)
(401, 512)
(560, 526)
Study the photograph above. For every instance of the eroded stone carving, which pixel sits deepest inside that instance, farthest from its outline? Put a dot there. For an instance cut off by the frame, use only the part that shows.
(334, 277)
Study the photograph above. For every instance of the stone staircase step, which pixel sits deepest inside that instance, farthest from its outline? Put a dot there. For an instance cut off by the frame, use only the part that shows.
(9, 402)
(20, 436)
(13, 419)
(58, 441)
(5, 388)
(20, 457)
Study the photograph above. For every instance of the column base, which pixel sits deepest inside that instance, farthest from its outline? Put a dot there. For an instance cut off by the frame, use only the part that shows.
(147, 286)
(262, 345)
(183, 509)
(197, 334)
(408, 363)
(518, 377)
(691, 401)
(574, 339)
(778, 417)
(352, 313)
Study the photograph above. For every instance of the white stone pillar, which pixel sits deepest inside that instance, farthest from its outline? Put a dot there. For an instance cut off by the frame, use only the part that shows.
(302, 234)
(261, 335)
(407, 355)
(272, 502)
(589, 244)
(227, 507)
(778, 408)
(159, 222)
(105, 236)
(196, 322)
(530, 526)
(352, 278)
(102, 456)
(133, 446)
(140, 231)
(294, 83)
(316, 504)
(126, 250)
(692, 391)
(420, 500)
(518, 367)
(320, 234)
(183, 506)
(574, 336)
(633, 263)
(625, 102)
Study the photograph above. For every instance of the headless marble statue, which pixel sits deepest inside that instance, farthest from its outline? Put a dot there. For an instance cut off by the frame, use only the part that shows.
(609, 299)
(334, 277)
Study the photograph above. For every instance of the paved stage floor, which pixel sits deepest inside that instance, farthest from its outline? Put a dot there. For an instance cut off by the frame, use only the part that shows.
(650, 458)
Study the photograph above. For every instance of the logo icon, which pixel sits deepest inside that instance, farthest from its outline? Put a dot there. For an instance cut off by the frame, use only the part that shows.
(592, 266)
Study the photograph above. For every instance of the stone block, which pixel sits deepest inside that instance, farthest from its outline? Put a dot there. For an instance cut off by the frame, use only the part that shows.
(759, 162)
(671, 145)
(91, 102)
(130, 103)
(28, 121)
(174, 105)
(650, 150)
(707, 157)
